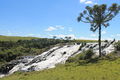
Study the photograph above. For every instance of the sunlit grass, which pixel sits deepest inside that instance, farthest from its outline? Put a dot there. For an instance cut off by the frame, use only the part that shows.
(15, 38)
(102, 70)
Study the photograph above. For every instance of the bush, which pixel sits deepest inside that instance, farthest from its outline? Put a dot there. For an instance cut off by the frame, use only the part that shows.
(112, 56)
(86, 55)
(117, 46)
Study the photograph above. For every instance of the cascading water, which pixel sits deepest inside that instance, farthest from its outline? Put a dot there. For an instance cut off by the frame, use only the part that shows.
(54, 56)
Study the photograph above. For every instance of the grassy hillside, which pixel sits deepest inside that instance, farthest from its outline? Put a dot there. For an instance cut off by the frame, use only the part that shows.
(81, 40)
(15, 38)
(106, 69)
(102, 70)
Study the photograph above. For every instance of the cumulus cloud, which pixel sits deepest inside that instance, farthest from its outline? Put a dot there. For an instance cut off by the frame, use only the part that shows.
(87, 2)
(59, 27)
(53, 28)
(50, 28)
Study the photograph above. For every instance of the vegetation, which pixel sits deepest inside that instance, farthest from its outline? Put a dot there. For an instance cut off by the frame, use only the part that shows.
(10, 50)
(117, 46)
(84, 41)
(101, 70)
(84, 66)
(85, 55)
(98, 16)
(14, 47)
(15, 38)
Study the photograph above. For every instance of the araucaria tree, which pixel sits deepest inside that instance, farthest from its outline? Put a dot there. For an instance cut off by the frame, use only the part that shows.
(98, 16)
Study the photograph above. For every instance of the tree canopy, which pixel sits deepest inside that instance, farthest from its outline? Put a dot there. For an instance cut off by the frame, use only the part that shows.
(97, 16)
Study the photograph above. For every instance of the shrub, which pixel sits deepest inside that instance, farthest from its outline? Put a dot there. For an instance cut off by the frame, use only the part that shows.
(112, 56)
(88, 54)
(85, 55)
(117, 46)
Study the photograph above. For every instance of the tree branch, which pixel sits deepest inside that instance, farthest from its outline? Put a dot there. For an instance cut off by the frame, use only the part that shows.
(84, 21)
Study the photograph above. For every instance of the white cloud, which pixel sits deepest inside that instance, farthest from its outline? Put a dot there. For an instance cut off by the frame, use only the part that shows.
(81, 1)
(50, 28)
(59, 27)
(53, 28)
(87, 2)
(103, 32)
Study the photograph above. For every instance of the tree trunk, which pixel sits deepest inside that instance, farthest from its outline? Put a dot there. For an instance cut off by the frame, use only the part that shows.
(100, 54)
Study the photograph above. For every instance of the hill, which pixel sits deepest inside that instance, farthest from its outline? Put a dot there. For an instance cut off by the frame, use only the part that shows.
(15, 38)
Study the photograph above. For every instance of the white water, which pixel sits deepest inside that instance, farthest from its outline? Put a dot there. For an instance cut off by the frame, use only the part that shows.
(54, 56)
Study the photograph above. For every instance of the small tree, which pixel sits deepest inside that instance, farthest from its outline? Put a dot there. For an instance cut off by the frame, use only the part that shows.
(98, 16)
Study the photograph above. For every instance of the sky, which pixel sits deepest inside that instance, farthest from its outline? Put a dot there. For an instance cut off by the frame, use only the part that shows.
(48, 18)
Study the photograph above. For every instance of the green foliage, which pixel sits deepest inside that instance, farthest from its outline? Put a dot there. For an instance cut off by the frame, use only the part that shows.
(15, 38)
(98, 16)
(14, 47)
(10, 50)
(103, 70)
(84, 41)
(117, 45)
(111, 56)
(86, 55)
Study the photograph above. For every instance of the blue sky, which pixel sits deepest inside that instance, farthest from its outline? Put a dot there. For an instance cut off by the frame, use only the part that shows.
(46, 18)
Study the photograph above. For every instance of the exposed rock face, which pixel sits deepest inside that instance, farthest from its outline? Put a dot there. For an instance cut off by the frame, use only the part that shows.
(52, 57)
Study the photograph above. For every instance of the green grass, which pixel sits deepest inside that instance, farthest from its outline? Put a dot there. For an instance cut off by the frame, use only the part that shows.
(15, 38)
(102, 70)
(82, 40)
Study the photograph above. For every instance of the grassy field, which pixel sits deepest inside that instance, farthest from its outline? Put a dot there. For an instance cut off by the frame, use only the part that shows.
(102, 70)
(15, 38)
(86, 41)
